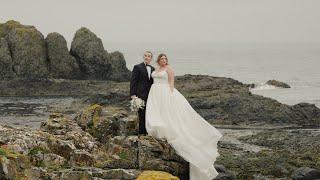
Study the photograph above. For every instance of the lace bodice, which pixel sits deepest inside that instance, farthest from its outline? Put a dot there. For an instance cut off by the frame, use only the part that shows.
(160, 77)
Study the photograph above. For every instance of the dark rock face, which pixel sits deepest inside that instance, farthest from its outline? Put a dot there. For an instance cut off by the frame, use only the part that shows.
(118, 66)
(227, 101)
(24, 53)
(306, 173)
(224, 174)
(309, 111)
(117, 128)
(27, 47)
(62, 64)
(6, 64)
(277, 84)
(89, 51)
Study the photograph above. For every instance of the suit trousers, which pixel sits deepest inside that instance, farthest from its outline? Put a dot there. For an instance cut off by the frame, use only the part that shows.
(142, 122)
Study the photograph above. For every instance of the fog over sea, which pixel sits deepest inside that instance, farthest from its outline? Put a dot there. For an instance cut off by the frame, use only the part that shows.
(297, 64)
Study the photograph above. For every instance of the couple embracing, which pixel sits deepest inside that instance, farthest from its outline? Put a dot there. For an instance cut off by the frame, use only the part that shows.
(169, 115)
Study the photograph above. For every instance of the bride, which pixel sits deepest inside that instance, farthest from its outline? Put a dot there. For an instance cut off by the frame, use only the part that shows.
(169, 115)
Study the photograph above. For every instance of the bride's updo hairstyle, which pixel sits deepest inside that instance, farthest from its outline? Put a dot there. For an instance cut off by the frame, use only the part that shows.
(160, 56)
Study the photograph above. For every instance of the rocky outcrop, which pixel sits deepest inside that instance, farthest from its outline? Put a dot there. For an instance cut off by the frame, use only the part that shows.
(27, 49)
(6, 63)
(61, 148)
(24, 53)
(299, 151)
(95, 62)
(117, 128)
(156, 175)
(227, 101)
(118, 66)
(89, 51)
(62, 64)
(306, 173)
(277, 84)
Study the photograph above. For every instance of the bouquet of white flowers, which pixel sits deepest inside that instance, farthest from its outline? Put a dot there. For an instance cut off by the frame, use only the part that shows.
(136, 104)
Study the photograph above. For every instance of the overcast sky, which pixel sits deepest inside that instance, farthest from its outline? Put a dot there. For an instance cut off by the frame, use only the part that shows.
(173, 20)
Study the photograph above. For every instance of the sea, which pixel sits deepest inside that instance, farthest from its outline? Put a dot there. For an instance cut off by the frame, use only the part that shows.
(297, 64)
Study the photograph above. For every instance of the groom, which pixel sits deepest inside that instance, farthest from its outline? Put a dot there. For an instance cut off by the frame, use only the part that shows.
(140, 84)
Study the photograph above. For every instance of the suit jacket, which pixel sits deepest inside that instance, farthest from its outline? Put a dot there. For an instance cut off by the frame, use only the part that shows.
(140, 83)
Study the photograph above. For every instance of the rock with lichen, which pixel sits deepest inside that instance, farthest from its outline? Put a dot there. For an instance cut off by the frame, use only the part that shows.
(6, 63)
(26, 54)
(28, 50)
(61, 63)
(88, 49)
(65, 147)
(119, 70)
(156, 175)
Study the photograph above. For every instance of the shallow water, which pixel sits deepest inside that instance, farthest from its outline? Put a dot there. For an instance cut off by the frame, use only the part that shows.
(30, 111)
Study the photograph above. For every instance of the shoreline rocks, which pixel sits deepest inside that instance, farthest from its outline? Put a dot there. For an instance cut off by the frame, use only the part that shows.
(219, 100)
(61, 147)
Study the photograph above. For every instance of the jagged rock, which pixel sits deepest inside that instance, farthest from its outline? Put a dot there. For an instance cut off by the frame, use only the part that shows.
(306, 173)
(89, 117)
(1, 30)
(81, 158)
(63, 148)
(29, 55)
(88, 49)
(61, 143)
(96, 173)
(155, 154)
(62, 64)
(227, 101)
(308, 111)
(118, 173)
(104, 125)
(156, 175)
(277, 83)
(119, 69)
(41, 158)
(28, 51)
(224, 174)
(6, 64)
(71, 174)
(123, 151)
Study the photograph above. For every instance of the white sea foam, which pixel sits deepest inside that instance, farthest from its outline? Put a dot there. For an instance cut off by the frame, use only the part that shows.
(263, 86)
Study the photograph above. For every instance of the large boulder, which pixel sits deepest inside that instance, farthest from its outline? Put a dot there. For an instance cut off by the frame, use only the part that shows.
(307, 111)
(277, 84)
(155, 175)
(306, 173)
(62, 64)
(89, 52)
(157, 154)
(103, 123)
(6, 71)
(119, 69)
(28, 51)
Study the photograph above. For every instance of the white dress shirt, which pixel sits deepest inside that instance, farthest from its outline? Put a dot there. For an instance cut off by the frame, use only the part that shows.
(148, 69)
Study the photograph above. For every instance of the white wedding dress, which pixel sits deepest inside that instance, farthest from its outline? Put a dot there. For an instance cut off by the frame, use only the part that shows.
(169, 115)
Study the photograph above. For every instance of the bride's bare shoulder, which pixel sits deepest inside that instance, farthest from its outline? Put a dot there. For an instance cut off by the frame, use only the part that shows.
(169, 69)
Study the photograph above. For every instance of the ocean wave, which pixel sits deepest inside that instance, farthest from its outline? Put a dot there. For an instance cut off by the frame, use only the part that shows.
(263, 86)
